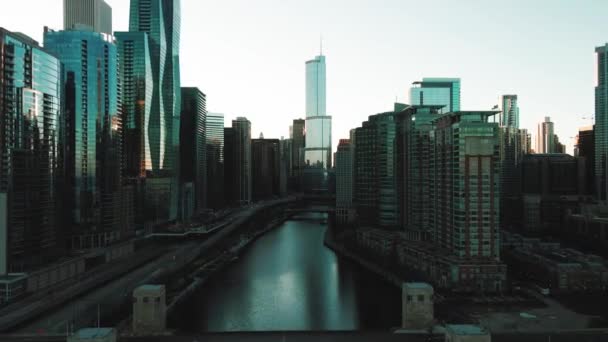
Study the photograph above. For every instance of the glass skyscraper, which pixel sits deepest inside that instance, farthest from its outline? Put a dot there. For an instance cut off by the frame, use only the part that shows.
(437, 91)
(30, 101)
(93, 135)
(161, 20)
(215, 160)
(317, 153)
(141, 131)
(601, 122)
(510, 111)
(193, 147)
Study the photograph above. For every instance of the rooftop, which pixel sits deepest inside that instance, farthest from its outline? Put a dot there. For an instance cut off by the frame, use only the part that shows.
(418, 286)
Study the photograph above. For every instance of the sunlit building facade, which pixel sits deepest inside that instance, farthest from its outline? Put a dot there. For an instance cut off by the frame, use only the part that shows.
(30, 105)
(437, 91)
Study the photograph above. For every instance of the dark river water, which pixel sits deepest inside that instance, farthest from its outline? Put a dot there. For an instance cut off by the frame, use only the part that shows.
(288, 280)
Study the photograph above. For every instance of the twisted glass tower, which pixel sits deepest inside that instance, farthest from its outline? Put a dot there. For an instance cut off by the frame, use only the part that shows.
(161, 20)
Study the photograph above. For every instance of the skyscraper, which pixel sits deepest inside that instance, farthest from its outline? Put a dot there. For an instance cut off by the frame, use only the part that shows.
(215, 160)
(265, 168)
(141, 157)
(317, 155)
(545, 137)
(437, 91)
(161, 20)
(465, 189)
(415, 180)
(297, 151)
(344, 182)
(95, 14)
(510, 111)
(93, 136)
(193, 148)
(375, 178)
(238, 161)
(601, 122)
(584, 148)
(30, 101)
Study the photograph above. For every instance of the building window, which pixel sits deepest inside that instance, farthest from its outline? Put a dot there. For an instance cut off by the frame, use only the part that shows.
(421, 298)
(409, 299)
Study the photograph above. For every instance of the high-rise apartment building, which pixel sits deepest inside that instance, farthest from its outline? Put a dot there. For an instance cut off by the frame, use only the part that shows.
(510, 111)
(437, 91)
(92, 132)
(414, 146)
(265, 168)
(94, 14)
(375, 177)
(545, 137)
(601, 122)
(161, 20)
(298, 136)
(193, 149)
(30, 106)
(317, 155)
(466, 190)
(215, 160)
(238, 161)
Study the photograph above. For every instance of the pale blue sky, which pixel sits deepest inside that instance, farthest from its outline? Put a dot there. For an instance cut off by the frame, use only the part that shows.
(248, 56)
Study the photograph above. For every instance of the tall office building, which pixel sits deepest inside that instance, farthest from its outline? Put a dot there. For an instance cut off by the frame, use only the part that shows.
(30, 101)
(238, 161)
(265, 168)
(95, 14)
(510, 111)
(92, 132)
(317, 155)
(437, 91)
(545, 137)
(286, 165)
(465, 189)
(193, 151)
(344, 182)
(215, 160)
(161, 20)
(298, 135)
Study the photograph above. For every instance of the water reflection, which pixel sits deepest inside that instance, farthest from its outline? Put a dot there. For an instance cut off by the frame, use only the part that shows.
(288, 280)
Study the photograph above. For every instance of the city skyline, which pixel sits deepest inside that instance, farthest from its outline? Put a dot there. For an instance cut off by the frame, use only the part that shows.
(479, 59)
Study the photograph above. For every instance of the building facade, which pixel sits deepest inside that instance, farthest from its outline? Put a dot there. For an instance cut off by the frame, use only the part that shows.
(317, 153)
(93, 132)
(215, 160)
(344, 182)
(193, 150)
(265, 168)
(437, 91)
(601, 122)
(238, 161)
(545, 137)
(298, 137)
(466, 189)
(585, 148)
(95, 14)
(30, 137)
(375, 185)
(161, 20)
(510, 111)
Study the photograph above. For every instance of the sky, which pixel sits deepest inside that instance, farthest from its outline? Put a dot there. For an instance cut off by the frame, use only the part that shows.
(249, 57)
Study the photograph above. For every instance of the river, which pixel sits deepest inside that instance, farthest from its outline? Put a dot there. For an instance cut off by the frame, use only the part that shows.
(288, 280)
